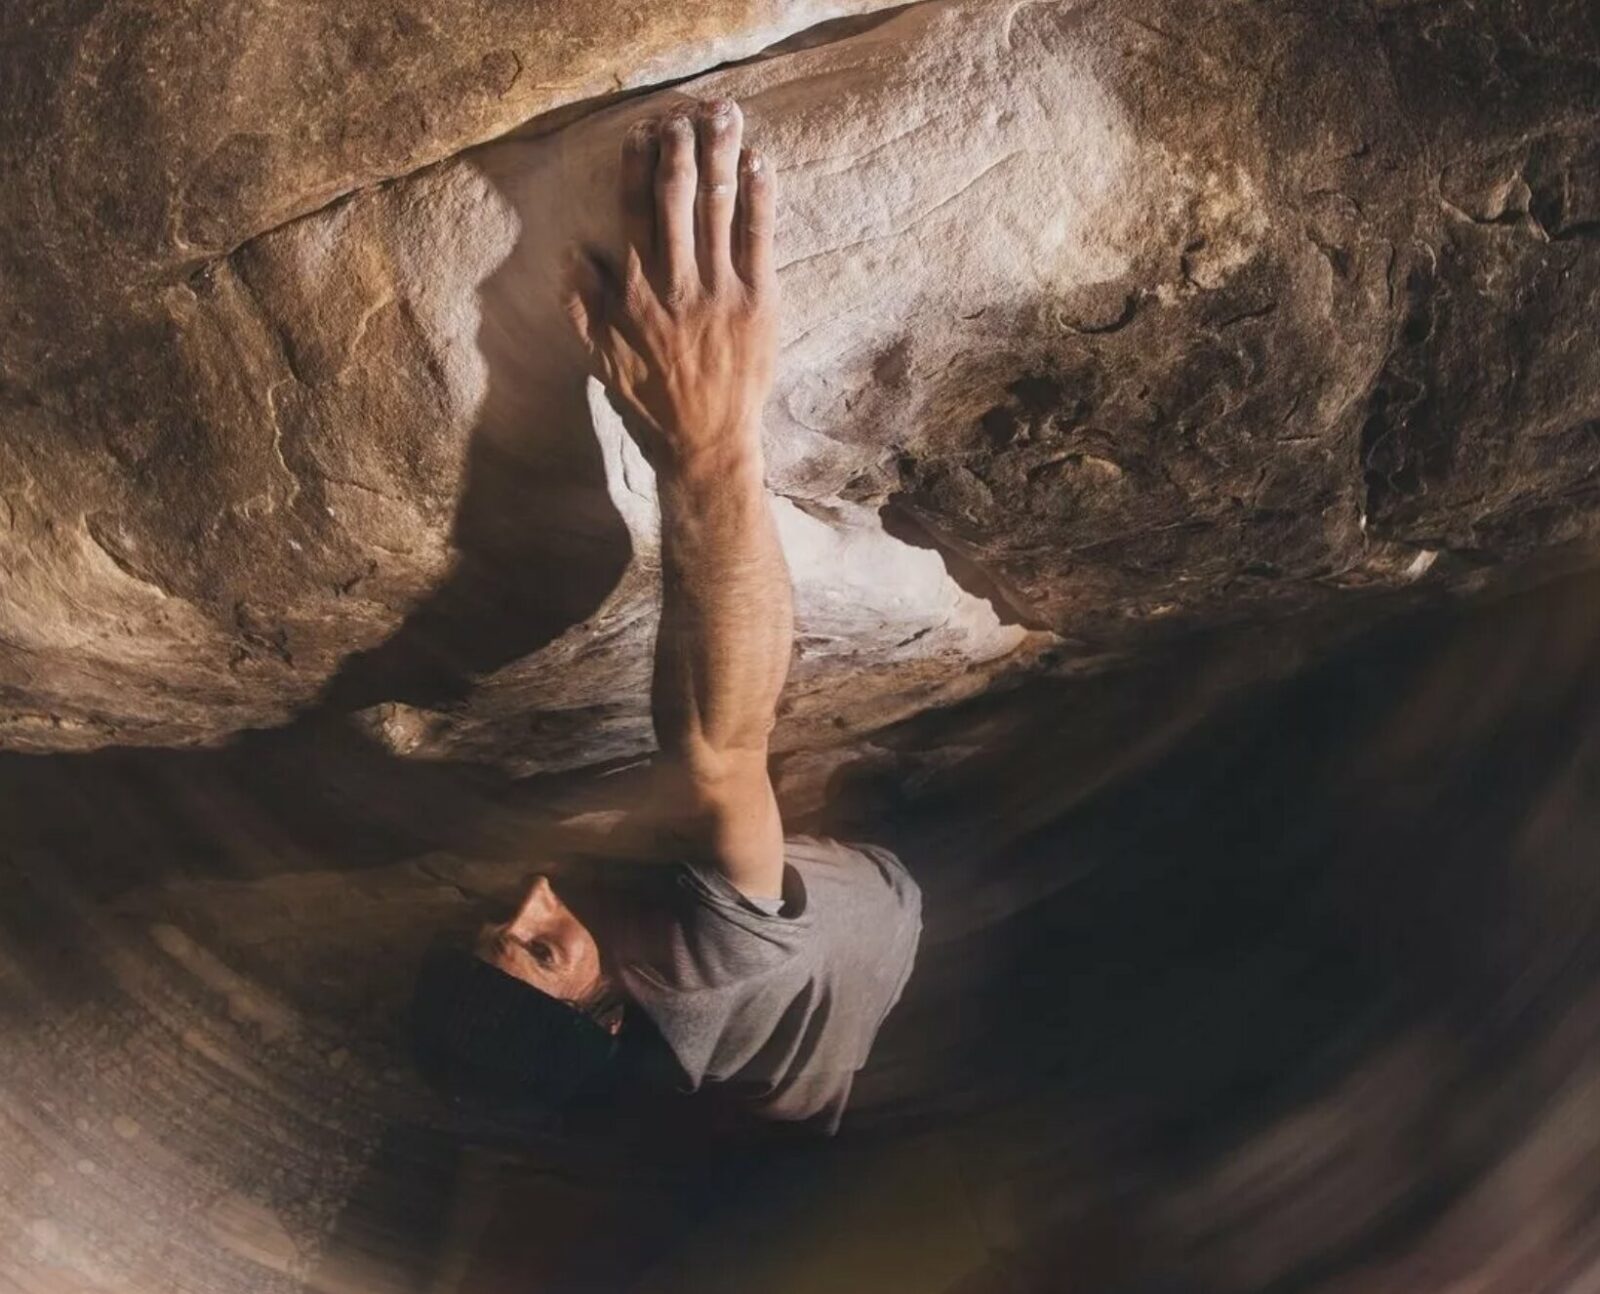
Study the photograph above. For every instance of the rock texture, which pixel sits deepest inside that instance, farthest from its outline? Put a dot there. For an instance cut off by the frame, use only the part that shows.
(151, 137)
(141, 142)
(1104, 322)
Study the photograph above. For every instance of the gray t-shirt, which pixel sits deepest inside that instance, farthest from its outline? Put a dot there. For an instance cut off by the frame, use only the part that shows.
(781, 1008)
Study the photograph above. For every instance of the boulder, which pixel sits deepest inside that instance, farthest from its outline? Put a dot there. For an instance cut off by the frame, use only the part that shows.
(1104, 324)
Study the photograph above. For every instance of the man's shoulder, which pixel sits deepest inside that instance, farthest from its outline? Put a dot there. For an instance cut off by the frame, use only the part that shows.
(830, 849)
(717, 937)
(837, 894)
(854, 865)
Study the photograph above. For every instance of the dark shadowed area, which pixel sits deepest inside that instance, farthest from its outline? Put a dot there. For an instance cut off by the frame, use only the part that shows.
(1299, 997)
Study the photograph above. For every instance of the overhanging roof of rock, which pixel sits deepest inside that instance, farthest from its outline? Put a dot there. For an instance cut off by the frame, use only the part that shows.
(1103, 322)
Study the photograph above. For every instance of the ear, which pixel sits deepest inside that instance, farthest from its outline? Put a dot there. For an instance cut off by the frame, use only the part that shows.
(611, 1020)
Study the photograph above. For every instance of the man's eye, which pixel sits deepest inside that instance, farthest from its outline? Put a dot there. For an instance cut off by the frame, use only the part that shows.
(541, 953)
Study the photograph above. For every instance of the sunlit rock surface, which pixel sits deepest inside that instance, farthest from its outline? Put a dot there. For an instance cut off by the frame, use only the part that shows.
(1140, 319)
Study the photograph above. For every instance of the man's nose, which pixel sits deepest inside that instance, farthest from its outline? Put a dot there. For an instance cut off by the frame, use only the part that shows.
(536, 903)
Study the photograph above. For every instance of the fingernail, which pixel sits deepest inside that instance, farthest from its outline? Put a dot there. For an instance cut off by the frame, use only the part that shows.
(679, 124)
(752, 163)
(718, 107)
(642, 132)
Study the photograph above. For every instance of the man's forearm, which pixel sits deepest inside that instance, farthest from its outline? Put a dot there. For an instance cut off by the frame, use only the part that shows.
(727, 621)
(683, 332)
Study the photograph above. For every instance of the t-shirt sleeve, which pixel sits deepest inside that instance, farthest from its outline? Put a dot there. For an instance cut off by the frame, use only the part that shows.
(726, 973)
(717, 912)
(783, 1005)
(901, 930)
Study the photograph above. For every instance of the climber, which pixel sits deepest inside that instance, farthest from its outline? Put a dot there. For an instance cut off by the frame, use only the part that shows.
(762, 972)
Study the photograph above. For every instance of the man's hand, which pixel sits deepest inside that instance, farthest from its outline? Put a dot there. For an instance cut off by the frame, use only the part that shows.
(684, 333)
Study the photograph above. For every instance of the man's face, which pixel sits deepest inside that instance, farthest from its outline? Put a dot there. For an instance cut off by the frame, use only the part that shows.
(545, 945)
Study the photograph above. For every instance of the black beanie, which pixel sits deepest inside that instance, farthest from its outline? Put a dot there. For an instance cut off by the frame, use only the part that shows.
(482, 1032)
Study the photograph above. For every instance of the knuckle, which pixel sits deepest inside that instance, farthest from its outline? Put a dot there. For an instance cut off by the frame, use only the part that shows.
(679, 295)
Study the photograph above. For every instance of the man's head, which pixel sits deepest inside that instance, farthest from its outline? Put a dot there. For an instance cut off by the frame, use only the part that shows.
(547, 947)
(527, 1013)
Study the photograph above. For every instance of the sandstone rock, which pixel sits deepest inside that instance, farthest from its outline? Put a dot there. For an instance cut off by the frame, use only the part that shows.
(148, 136)
(1136, 320)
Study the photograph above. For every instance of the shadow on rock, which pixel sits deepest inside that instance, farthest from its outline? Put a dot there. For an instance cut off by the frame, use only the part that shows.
(540, 544)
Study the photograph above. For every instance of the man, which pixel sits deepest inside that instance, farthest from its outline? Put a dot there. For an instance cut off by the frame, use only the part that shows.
(769, 965)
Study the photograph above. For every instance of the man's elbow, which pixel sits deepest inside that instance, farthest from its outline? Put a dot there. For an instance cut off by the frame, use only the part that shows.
(718, 772)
